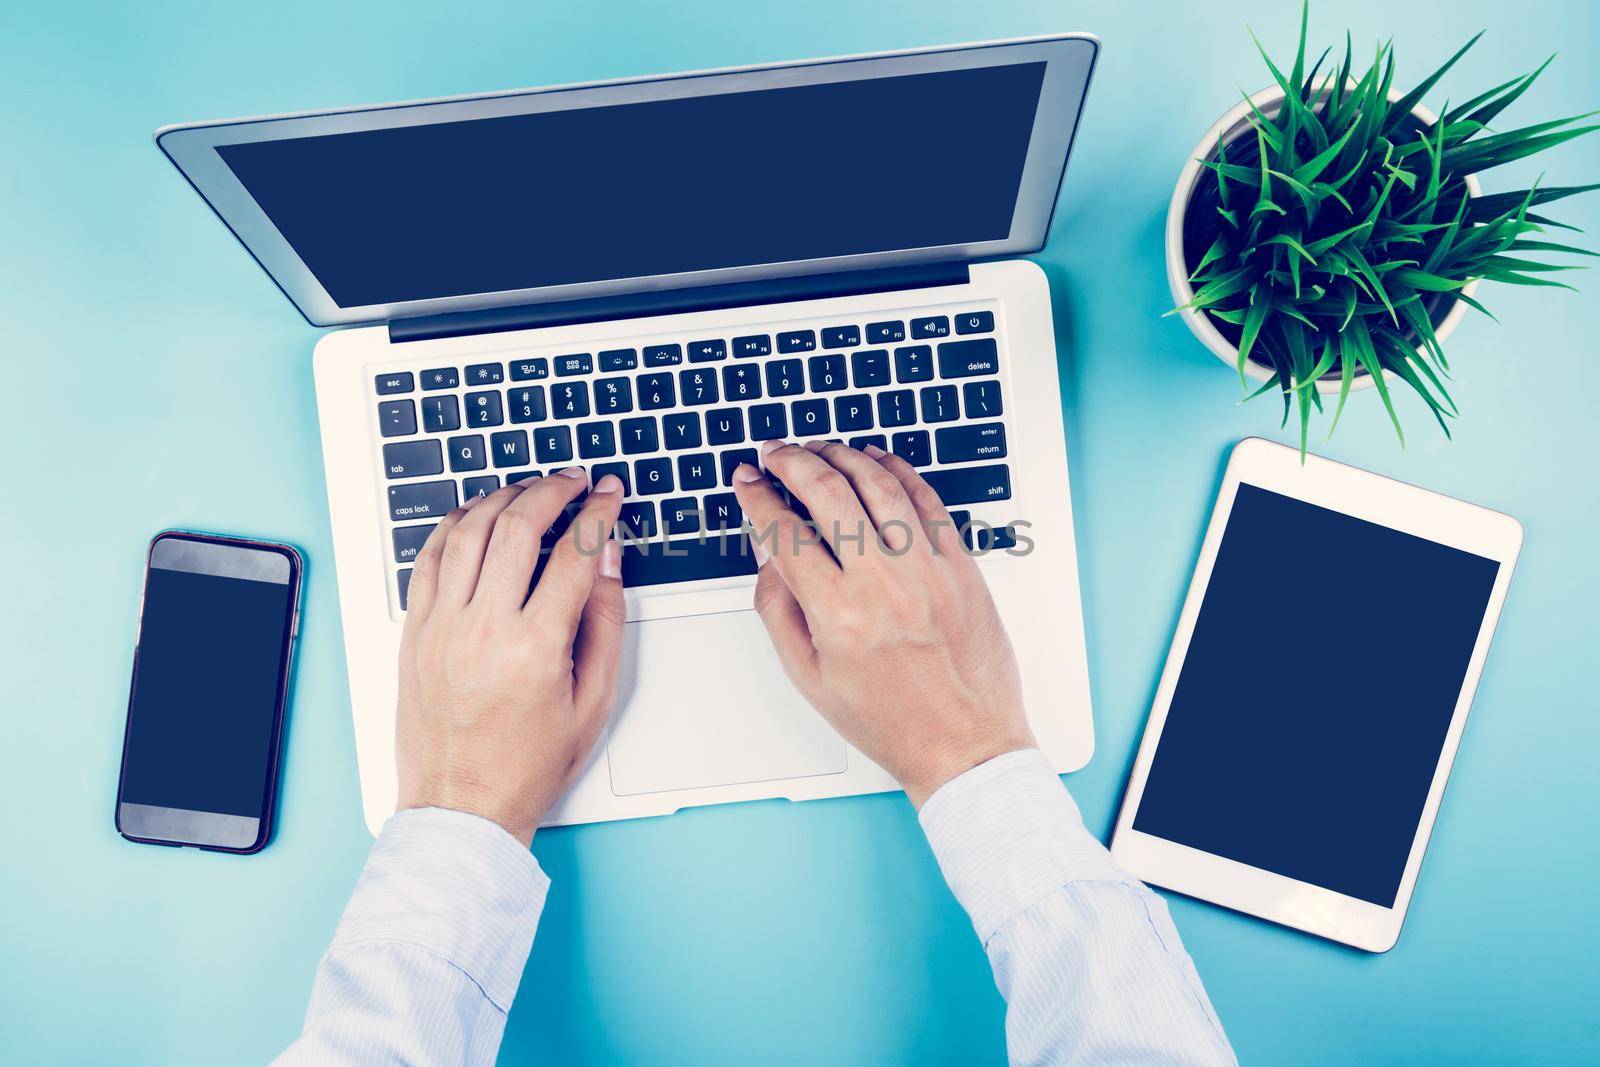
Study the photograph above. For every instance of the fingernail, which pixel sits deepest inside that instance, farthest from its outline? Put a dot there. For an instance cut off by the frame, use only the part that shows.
(575, 472)
(611, 560)
(471, 500)
(770, 446)
(609, 484)
(758, 549)
(874, 451)
(745, 473)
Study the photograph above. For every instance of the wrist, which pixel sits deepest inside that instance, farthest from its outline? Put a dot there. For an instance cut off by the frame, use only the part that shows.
(515, 819)
(953, 760)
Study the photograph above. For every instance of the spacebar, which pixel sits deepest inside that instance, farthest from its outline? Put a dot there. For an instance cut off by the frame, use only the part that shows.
(687, 560)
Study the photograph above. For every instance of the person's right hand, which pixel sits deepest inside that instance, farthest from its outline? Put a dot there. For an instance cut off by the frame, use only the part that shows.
(888, 628)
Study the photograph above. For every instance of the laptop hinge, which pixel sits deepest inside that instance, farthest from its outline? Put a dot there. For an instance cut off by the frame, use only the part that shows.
(677, 301)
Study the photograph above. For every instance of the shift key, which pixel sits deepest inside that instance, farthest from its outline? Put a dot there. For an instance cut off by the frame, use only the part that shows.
(969, 485)
(423, 500)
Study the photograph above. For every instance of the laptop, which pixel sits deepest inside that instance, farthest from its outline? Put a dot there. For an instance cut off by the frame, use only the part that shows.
(651, 277)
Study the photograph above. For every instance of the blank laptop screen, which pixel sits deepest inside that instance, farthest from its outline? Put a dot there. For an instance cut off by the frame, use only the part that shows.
(657, 187)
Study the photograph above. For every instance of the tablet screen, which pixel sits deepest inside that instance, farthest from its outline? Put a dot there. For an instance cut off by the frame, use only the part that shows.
(1325, 666)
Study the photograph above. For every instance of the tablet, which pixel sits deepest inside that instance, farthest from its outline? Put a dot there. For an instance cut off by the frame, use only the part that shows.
(1315, 694)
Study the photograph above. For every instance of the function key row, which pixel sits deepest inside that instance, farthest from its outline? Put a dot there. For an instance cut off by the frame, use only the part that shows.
(672, 355)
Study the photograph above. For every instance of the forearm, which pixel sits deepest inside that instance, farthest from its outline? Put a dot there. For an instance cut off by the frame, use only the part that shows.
(1086, 956)
(429, 952)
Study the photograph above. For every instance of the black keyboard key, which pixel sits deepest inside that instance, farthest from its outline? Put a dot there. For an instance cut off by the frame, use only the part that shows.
(810, 418)
(412, 459)
(527, 405)
(939, 403)
(982, 399)
(570, 400)
(841, 337)
(707, 351)
(421, 500)
(600, 470)
(552, 444)
(869, 367)
(509, 448)
(699, 386)
(724, 426)
(897, 407)
(400, 381)
(982, 538)
(663, 355)
(619, 359)
(785, 377)
(913, 363)
(741, 381)
(653, 475)
(698, 470)
(966, 359)
(681, 429)
(530, 370)
(688, 560)
(885, 333)
(852, 413)
(596, 439)
(521, 476)
(912, 446)
(403, 581)
(932, 326)
(656, 391)
(613, 396)
(757, 344)
(440, 413)
(963, 444)
(576, 363)
(860, 443)
(557, 529)
(408, 541)
(637, 519)
(723, 512)
(481, 486)
(440, 378)
(397, 418)
(798, 341)
(466, 453)
(681, 515)
(639, 435)
(827, 373)
(731, 459)
(768, 422)
(970, 485)
(485, 374)
(483, 409)
(975, 322)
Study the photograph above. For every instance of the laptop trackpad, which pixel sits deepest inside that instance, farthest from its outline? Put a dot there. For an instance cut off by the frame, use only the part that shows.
(704, 702)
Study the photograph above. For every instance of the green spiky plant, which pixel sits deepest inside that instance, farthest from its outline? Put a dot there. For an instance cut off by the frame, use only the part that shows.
(1334, 236)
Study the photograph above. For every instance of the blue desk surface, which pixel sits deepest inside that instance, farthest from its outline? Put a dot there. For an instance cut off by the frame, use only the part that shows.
(155, 378)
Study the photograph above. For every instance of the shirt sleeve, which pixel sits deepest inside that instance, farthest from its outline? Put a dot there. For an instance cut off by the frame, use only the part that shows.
(427, 957)
(1085, 954)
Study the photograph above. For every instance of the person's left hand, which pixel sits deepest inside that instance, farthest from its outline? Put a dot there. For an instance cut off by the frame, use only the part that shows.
(503, 694)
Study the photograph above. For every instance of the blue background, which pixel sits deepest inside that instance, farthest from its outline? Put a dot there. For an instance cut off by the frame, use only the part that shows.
(155, 378)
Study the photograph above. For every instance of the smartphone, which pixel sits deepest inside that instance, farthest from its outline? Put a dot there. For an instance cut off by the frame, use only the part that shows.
(200, 753)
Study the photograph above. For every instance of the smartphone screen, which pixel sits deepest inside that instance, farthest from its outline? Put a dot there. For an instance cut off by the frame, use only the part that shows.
(205, 715)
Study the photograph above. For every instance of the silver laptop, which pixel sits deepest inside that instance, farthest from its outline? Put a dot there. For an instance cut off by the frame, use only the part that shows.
(651, 277)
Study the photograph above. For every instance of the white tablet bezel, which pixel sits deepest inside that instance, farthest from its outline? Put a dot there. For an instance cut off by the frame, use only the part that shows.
(1069, 64)
(1364, 495)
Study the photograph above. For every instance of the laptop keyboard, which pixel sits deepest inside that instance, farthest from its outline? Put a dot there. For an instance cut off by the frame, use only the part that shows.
(672, 418)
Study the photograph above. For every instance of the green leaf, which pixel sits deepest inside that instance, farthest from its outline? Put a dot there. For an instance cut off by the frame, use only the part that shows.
(1420, 279)
(1252, 329)
(1403, 106)
(1369, 360)
(1218, 249)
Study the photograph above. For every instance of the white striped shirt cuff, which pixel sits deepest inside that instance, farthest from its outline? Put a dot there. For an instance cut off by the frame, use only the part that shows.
(455, 885)
(1007, 834)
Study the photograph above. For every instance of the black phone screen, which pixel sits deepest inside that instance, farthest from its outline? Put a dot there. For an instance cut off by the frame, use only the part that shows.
(200, 755)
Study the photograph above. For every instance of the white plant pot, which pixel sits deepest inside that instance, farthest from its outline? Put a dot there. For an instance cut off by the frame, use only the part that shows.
(1228, 128)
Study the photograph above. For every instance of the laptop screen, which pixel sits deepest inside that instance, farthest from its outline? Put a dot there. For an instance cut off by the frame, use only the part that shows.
(656, 187)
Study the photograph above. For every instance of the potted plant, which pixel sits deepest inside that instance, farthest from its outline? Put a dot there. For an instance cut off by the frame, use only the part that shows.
(1329, 232)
